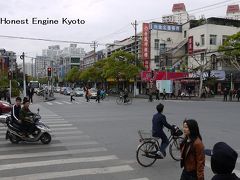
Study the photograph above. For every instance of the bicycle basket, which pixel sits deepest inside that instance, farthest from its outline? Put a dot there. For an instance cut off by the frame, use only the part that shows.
(177, 131)
(143, 134)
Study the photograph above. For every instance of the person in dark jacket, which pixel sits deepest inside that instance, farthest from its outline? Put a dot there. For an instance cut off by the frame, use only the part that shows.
(223, 161)
(15, 112)
(158, 122)
(192, 152)
(25, 116)
(225, 93)
(238, 94)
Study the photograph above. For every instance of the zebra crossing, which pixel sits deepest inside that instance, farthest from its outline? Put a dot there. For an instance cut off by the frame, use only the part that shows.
(82, 101)
(71, 154)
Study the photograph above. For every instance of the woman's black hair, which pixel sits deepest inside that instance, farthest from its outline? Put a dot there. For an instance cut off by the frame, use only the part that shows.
(193, 128)
(160, 107)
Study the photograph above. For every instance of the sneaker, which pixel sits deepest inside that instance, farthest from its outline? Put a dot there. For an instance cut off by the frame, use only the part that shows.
(160, 154)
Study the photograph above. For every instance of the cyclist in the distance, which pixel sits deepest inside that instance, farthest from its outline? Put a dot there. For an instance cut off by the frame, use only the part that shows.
(158, 123)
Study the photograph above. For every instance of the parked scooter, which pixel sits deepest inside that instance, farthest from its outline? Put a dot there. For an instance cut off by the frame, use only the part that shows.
(15, 134)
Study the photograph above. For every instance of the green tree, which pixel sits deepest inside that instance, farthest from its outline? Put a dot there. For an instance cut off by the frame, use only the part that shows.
(73, 75)
(231, 50)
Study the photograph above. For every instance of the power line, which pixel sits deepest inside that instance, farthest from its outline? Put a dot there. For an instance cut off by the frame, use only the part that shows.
(42, 39)
(200, 8)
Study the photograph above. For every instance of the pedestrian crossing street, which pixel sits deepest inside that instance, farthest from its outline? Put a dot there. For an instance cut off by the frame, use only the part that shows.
(71, 155)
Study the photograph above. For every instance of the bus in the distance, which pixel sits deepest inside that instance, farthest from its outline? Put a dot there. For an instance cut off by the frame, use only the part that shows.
(34, 84)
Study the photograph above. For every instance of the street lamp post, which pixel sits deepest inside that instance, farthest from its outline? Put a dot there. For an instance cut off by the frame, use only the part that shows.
(24, 78)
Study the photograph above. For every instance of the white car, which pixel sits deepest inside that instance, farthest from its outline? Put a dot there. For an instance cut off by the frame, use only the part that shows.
(78, 92)
(93, 93)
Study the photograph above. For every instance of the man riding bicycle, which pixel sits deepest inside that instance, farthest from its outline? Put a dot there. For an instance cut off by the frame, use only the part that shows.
(158, 122)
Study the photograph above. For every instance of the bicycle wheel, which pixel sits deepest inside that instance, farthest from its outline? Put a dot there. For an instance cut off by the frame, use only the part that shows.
(144, 152)
(129, 101)
(119, 100)
(174, 149)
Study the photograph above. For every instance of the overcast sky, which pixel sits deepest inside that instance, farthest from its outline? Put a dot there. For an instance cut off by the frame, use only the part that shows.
(105, 20)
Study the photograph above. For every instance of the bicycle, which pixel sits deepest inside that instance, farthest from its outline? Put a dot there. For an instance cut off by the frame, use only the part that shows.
(120, 100)
(147, 149)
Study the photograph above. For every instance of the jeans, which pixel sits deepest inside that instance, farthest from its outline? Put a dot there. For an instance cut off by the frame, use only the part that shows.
(188, 175)
(164, 144)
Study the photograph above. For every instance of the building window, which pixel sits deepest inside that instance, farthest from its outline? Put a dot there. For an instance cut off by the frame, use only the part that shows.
(213, 39)
(224, 38)
(156, 59)
(156, 43)
(185, 34)
(202, 40)
(202, 56)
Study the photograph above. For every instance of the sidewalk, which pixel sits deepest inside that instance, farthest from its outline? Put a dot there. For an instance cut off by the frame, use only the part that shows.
(215, 98)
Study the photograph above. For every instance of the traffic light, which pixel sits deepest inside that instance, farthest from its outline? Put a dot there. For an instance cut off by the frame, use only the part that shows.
(49, 71)
(9, 75)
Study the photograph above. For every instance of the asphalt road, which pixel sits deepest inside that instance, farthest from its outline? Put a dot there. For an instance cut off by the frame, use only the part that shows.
(97, 141)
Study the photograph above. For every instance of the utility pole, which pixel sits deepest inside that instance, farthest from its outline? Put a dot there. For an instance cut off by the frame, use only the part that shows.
(94, 46)
(32, 67)
(136, 56)
(24, 78)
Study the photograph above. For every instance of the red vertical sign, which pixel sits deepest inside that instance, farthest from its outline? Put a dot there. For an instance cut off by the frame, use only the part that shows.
(146, 46)
(190, 44)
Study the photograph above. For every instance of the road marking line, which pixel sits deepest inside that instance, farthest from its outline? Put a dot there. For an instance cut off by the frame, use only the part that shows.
(66, 128)
(56, 122)
(77, 102)
(60, 125)
(37, 146)
(58, 102)
(52, 153)
(67, 132)
(72, 137)
(56, 162)
(49, 103)
(208, 164)
(77, 172)
(66, 102)
(140, 179)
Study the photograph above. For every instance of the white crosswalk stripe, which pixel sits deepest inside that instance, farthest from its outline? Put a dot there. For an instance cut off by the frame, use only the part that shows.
(78, 172)
(69, 147)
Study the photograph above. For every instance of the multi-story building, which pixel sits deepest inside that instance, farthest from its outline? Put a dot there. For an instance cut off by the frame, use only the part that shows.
(127, 45)
(179, 16)
(205, 38)
(7, 60)
(61, 60)
(233, 12)
(90, 58)
(41, 65)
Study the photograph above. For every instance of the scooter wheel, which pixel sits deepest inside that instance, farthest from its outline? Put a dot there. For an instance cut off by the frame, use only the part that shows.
(14, 139)
(46, 138)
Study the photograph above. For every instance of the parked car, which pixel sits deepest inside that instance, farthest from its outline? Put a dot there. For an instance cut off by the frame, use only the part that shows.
(57, 90)
(78, 92)
(62, 89)
(93, 93)
(67, 91)
(5, 107)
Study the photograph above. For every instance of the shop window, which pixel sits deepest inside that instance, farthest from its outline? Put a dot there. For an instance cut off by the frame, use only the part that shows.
(224, 38)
